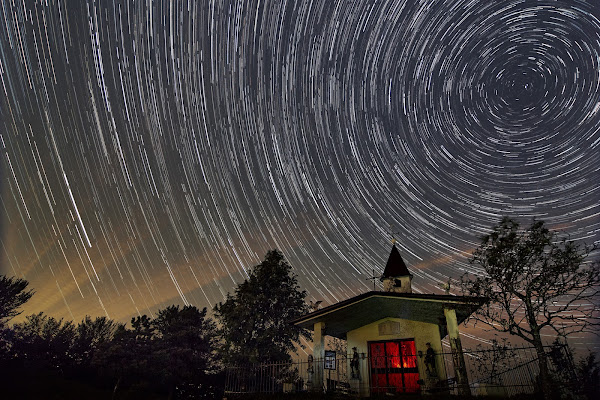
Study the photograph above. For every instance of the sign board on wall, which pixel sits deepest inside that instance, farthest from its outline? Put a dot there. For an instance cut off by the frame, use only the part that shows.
(330, 359)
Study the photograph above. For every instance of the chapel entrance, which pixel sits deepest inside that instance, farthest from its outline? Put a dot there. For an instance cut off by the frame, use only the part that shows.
(393, 366)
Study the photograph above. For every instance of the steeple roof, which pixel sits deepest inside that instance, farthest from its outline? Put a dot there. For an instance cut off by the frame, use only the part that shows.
(395, 265)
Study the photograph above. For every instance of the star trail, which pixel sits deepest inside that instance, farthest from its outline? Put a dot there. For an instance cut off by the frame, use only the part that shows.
(153, 151)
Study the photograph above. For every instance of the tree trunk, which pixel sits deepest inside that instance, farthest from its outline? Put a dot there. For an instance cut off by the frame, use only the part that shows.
(545, 379)
(116, 387)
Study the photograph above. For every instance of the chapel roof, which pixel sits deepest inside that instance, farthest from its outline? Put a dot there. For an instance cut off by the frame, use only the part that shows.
(370, 307)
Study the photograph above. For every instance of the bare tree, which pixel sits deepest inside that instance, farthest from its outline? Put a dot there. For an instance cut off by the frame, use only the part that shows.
(535, 281)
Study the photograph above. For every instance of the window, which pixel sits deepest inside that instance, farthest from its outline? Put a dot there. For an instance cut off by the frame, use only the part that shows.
(393, 366)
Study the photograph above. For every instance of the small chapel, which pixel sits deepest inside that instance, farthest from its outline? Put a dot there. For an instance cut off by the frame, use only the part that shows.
(394, 336)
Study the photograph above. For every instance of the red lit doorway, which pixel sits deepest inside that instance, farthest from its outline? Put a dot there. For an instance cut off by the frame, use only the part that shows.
(393, 366)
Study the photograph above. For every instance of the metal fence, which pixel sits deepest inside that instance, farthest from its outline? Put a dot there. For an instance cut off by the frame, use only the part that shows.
(507, 371)
(498, 371)
(286, 377)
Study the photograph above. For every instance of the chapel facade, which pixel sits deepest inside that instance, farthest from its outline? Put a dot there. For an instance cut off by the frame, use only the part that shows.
(394, 336)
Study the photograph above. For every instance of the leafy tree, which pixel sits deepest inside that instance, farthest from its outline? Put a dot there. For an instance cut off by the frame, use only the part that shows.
(12, 296)
(184, 351)
(45, 341)
(173, 353)
(255, 320)
(115, 359)
(91, 336)
(127, 358)
(535, 281)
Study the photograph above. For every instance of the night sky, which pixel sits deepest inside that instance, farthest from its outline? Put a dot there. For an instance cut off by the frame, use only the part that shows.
(152, 152)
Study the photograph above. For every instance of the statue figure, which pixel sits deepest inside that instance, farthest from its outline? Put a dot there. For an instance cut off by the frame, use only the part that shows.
(354, 364)
(430, 360)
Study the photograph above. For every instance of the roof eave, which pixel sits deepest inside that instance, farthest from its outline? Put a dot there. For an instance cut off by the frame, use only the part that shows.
(476, 302)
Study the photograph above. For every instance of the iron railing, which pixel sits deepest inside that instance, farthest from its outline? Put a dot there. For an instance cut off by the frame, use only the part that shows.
(285, 377)
(500, 371)
(507, 371)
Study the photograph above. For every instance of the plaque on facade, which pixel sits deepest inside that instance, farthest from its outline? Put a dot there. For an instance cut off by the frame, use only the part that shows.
(389, 328)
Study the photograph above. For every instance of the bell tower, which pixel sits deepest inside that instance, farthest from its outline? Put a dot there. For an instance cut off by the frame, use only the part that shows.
(396, 277)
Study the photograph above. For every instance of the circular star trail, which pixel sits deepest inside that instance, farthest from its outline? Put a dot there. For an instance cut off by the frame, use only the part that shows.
(153, 151)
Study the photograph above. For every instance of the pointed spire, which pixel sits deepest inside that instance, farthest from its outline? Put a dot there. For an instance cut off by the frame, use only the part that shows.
(395, 266)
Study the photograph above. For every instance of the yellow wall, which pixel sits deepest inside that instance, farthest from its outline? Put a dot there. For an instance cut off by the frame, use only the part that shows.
(421, 332)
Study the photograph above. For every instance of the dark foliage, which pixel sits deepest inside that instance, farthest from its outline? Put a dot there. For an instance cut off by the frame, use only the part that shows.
(255, 320)
(172, 353)
(44, 342)
(588, 371)
(12, 296)
(92, 335)
(169, 356)
(184, 351)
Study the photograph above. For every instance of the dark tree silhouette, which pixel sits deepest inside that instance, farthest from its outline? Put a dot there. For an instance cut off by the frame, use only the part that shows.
(255, 320)
(588, 371)
(91, 335)
(127, 358)
(172, 353)
(47, 343)
(13, 294)
(535, 281)
(183, 350)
